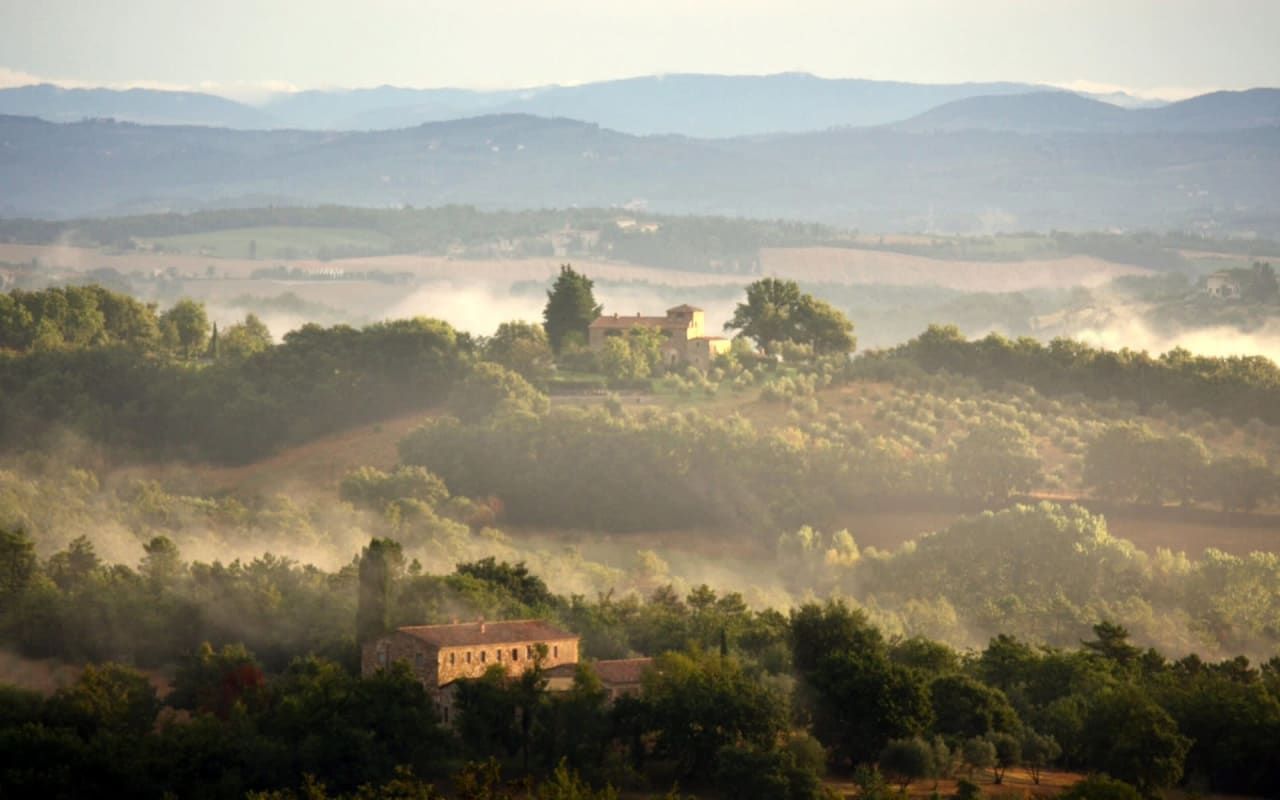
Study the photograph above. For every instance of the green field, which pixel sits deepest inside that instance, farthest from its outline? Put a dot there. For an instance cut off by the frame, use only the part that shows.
(279, 243)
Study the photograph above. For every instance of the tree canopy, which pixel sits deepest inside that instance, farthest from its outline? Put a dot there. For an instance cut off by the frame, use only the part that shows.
(571, 307)
(776, 311)
(994, 461)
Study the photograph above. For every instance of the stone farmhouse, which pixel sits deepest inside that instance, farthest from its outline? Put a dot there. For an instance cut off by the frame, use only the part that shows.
(619, 677)
(1222, 285)
(683, 328)
(439, 655)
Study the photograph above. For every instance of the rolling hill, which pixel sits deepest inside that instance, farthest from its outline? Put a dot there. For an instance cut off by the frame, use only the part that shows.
(144, 106)
(1047, 112)
(700, 106)
(868, 178)
(1035, 112)
(1255, 108)
(704, 106)
(692, 105)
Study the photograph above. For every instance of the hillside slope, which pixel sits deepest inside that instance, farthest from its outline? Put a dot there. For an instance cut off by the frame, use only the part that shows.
(1064, 112)
(144, 106)
(871, 179)
(690, 105)
(706, 106)
(317, 465)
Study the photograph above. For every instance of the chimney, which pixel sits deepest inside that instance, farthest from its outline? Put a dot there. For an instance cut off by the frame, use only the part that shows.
(615, 315)
(482, 627)
(637, 315)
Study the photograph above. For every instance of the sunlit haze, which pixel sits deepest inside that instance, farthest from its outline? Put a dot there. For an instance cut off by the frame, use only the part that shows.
(241, 48)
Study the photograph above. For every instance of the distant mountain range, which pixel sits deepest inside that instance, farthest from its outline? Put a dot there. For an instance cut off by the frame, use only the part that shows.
(1043, 112)
(144, 106)
(707, 106)
(915, 177)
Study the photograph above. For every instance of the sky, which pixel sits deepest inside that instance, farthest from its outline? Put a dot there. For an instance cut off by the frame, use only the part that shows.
(246, 48)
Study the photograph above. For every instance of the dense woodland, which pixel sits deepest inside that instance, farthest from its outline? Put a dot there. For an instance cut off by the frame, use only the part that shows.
(1239, 387)
(752, 703)
(1020, 638)
(165, 384)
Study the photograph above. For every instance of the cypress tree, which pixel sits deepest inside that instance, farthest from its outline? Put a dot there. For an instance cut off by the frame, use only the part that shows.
(571, 306)
(378, 564)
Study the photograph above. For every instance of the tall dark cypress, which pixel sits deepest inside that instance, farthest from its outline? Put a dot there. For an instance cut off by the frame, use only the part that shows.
(571, 307)
(373, 617)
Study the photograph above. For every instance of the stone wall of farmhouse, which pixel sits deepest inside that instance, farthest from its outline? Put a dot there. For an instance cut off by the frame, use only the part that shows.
(384, 651)
(470, 661)
(437, 667)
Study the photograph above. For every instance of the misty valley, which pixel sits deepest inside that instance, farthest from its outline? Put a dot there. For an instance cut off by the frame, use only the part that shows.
(221, 522)
(683, 436)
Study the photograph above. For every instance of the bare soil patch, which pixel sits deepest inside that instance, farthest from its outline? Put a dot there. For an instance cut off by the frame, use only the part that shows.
(319, 464)
(815, 264)
(1193, 533)
(421, 266)
(854, 266)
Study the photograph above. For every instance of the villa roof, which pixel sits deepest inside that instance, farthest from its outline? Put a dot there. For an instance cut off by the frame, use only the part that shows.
(487, 633)
(627, 323)
(617, 672)
(622, 671)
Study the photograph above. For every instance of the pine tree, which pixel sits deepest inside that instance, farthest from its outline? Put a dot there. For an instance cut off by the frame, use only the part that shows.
(571, 307)
(378, 565)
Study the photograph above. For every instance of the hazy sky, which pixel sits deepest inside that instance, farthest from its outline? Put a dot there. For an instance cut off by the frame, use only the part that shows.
(237, 46)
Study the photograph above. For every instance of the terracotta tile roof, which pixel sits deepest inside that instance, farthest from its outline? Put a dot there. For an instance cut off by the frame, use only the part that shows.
(627, 323)
(622, 671)
(487, 633)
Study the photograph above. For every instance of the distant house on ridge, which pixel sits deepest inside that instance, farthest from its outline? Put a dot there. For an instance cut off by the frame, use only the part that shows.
(1222, 285)
(683, 328)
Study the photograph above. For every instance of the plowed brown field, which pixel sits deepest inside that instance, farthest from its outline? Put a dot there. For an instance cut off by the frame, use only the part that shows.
(851, 266)
(805, 264)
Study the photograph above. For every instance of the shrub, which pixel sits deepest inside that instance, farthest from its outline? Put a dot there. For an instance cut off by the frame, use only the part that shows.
(1100, 787)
